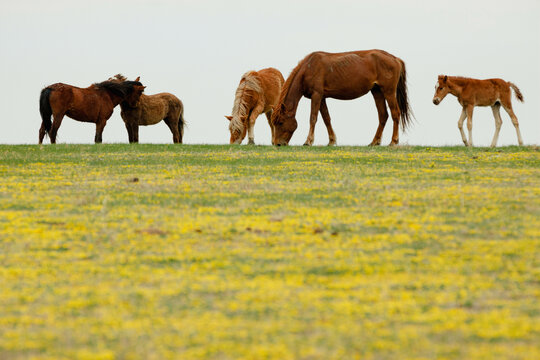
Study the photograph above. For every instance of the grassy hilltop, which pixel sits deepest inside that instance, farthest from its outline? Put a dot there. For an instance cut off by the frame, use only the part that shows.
(254, 252)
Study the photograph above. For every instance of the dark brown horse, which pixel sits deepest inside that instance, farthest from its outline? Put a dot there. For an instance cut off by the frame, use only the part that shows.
(150, 110)
(93, 104)
(343, 76)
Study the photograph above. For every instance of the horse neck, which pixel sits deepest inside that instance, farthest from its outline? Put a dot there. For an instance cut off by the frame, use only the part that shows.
(455, 86)
(293, 93)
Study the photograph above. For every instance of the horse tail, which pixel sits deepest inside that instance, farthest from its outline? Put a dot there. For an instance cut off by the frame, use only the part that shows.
(518, 93)
(403, 98)
(45, 108)
(181, 123)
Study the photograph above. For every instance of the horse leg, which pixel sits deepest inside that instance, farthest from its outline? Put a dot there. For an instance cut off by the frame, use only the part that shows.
(251, 123)
(326, 118)
(42, 133)
(396, 114)
(498, 122)
(173, 126)
(460, 126)
(383, 115)
(129, 131)
(269, 117)
(469, 123)
(100, 125)
(513, 116)
(57, 121)
(316, 99)
(135, 132)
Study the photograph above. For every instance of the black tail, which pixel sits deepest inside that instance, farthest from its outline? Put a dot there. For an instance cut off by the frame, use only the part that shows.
(181, 123)
(403, 99)
(45, 108)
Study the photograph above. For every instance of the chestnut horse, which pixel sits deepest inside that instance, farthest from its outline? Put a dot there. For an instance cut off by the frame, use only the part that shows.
(150, 110)
(258, 92)
(93, 104)
(343, 76)
(473, 92)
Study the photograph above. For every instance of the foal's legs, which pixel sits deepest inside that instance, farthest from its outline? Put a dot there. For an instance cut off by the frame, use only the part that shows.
(460, 126)
(470, 109)
(513, 116)
(383, 115)
(326, 118)
(497, 115)
(173, 126)
(57, 121)
(316, 99)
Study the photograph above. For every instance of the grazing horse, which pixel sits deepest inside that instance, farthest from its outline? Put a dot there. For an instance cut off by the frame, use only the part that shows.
(150, 110)
(93, 104)
(257, 93)
(343, 76)
(473, 92)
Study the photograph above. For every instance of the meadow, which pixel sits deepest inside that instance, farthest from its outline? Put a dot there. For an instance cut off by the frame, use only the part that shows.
(254, 252)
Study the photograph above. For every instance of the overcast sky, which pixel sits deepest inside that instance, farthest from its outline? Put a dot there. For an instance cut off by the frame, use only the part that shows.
(198, 51)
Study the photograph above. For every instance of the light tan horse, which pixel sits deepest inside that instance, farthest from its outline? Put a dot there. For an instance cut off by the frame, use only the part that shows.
(150, 110)
(343, 76)
(473, 92)
(257, 93)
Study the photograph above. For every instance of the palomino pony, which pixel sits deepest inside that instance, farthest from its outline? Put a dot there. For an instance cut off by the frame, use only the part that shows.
(258, 92)
(471, 93)
(151, 109)
(93, 104)
(343, 76)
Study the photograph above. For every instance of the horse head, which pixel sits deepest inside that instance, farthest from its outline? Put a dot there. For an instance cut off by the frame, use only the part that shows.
(441, 89)
(284, 124)
(238, 128)
(134, 95)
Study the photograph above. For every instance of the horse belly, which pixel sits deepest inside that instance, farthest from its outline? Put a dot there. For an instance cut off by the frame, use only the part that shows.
(82, 114)
(152, 114)
(348, 91)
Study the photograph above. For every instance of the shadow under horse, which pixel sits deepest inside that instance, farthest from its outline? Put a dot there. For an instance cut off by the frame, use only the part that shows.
(94, 104)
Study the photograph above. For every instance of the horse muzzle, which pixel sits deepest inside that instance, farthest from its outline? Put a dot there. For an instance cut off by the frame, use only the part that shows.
(436, 101)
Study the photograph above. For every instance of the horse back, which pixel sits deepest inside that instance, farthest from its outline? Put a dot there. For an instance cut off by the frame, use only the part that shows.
(154, 108)
(484, 92)
(349, 75)
(271, 81)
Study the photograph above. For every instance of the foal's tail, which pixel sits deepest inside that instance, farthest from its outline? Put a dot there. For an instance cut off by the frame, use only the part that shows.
(45, 108)
(403, 99)
(181, 123)
(518, 93)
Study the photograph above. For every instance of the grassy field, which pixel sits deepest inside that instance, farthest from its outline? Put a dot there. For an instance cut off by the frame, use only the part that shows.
(251, 252)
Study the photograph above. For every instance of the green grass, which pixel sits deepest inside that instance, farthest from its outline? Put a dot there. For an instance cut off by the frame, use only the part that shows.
(255, 252)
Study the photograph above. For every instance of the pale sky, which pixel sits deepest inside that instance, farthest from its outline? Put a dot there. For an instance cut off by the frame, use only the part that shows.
(198, 51)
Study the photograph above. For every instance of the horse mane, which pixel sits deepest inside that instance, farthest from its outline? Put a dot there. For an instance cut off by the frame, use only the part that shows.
(249, 83)
(118, 77)
(286, 86)
(121, 89)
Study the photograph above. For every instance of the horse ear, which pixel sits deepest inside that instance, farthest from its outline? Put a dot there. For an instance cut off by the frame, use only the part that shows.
(138, 78)
(445, 78)
(228, 117)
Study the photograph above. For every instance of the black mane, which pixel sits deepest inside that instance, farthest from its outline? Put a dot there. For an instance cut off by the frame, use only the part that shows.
(122, 89)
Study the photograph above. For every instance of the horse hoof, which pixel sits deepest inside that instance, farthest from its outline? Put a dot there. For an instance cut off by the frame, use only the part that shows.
(307, 144)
